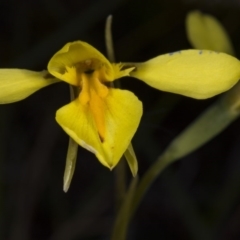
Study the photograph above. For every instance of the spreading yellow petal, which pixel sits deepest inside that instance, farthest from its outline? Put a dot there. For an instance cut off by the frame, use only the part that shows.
(206, 32)
(17, 84)
(194, 73)
(122, 113)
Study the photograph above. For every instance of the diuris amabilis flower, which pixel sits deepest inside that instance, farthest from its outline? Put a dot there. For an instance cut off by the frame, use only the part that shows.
(103, 119)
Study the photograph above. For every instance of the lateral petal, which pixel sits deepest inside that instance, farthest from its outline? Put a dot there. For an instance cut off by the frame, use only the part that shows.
(70, 164)
(131, 160)
(75, 58)
(206, 32)
(194, 73)
(17, 84)
(122, 116)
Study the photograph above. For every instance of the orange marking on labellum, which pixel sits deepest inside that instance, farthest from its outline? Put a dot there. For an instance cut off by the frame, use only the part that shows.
(98, 109)
(93, 93)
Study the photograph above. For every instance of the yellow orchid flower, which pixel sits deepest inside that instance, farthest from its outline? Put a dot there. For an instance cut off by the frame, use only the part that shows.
(103, 119)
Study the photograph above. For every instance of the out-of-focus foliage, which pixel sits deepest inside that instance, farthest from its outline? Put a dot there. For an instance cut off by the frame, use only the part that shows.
(206, 32)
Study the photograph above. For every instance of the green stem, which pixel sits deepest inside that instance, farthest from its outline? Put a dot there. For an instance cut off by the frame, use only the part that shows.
(120, 170)
(123, 218)
(109, 40)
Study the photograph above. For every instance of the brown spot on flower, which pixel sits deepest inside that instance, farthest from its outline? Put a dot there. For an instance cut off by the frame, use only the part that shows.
(89, 71)
(48, 75)
(101, 138)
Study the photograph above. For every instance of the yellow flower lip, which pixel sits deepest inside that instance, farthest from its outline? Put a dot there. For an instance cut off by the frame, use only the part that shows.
(106, 129)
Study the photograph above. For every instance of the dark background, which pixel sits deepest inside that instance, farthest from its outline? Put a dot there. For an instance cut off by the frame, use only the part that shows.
(197, 197)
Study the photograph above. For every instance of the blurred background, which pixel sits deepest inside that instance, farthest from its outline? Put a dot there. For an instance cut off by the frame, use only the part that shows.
(197, 197)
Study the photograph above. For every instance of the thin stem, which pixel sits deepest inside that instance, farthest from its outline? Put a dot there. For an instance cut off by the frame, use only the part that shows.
(120, 171)
(123, 218)
(109, 40)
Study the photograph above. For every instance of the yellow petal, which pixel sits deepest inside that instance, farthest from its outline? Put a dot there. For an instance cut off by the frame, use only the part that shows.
(193, 73)
(76, 58)
(131, 159)
(70, 164)
(122, 113)
(17, 84)
(206, 32)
